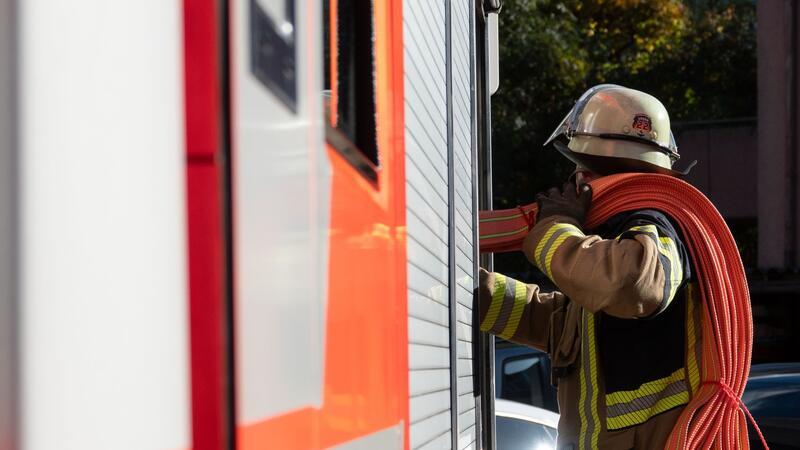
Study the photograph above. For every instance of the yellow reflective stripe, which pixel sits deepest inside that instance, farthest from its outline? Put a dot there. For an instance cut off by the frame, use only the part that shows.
(582, 402)
(548, 259)
(646, 389)
(649, 229)
(642, 408)
(520, 300)
(637, 417)
(667, 247)
(589, 433)
(692, 363)
(671, 283)
(561, 231)
(497, 302)
(595, 436)
(645, 228)
(540, 246)
(670, 250)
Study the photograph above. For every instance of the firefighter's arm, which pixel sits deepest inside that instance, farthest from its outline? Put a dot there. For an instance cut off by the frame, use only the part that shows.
(633, 276)
(516, 311)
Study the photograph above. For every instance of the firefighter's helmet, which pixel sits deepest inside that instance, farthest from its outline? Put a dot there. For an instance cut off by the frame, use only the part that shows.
(614, 129)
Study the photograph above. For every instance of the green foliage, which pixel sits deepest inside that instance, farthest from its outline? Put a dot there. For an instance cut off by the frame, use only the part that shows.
(697, 57)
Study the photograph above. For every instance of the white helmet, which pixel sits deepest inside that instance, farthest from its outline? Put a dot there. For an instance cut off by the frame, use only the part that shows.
(614, 129)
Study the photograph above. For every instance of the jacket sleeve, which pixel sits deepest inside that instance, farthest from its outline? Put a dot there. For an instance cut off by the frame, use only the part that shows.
(516, 311)
(635, 275)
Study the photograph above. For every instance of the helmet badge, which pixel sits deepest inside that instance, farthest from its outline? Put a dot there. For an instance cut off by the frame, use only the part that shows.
(642, 124)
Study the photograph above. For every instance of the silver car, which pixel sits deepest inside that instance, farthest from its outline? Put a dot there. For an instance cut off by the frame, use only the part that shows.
(524, 427)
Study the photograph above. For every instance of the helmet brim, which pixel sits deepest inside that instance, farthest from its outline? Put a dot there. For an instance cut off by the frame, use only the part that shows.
(606, 165)
(569, 122)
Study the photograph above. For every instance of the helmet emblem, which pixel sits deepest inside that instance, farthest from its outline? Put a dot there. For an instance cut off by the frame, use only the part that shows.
(642, 124)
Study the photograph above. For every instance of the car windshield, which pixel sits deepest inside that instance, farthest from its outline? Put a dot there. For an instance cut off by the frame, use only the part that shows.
(518, 434)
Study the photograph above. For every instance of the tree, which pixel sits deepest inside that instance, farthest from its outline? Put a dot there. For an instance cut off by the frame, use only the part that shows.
(698, 57)
(552, 51)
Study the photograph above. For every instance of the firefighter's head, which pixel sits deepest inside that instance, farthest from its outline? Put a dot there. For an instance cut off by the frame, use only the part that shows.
(613, 129)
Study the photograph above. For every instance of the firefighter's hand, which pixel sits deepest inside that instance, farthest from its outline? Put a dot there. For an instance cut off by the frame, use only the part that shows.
(565, 202)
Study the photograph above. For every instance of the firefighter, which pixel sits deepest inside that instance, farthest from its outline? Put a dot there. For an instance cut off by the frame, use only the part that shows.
(623, 328)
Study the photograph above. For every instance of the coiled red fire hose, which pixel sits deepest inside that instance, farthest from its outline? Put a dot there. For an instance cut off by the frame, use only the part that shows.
(715, 416)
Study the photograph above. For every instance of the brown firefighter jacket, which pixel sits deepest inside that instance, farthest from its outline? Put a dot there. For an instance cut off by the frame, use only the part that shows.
(623, 333)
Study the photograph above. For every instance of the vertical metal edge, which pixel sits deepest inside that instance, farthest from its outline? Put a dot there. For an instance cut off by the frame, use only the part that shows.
(487, 261)
(10, 434)
(476, 346)
(451, 230)
(790, 249)
(225, 154)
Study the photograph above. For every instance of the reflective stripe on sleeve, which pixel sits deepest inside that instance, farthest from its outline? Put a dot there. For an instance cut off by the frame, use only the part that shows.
(514, 301)
(668, 256)
(508, 302)
(673, 278)
(507, 308)
(550, 242)
(519, 301)
(496, 303)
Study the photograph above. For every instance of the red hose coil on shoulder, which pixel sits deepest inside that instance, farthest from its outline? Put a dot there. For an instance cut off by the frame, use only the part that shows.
(715, 416)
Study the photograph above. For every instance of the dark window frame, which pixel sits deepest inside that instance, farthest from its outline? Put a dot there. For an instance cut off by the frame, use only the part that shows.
(354, 135)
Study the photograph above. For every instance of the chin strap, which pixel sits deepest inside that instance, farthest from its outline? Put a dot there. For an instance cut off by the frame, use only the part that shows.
(687, 169)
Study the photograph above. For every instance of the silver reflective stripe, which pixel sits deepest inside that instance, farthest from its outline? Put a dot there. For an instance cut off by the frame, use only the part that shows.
(387, 439)
(508, 306)
(646, 402)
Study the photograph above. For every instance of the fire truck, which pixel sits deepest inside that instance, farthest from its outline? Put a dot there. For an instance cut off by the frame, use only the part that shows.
(244, 224)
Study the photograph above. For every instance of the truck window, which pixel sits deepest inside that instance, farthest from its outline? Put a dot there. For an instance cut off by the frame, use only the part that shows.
(350, 83)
